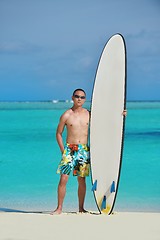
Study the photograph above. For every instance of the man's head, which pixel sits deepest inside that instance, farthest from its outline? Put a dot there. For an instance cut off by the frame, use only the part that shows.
(79, 95)
(79, 90)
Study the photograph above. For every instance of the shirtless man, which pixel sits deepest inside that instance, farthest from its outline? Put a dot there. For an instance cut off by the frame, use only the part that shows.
(75, 153)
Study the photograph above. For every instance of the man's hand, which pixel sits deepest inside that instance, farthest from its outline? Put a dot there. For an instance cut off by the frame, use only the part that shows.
(124, 113)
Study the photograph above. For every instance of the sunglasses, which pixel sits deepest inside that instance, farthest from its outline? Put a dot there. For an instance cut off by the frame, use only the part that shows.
(81, 97)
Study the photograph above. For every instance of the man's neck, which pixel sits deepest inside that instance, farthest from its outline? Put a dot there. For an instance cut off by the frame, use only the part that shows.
(77, 109)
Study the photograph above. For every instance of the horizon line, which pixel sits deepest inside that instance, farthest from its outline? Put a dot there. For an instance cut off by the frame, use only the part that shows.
(64, 100)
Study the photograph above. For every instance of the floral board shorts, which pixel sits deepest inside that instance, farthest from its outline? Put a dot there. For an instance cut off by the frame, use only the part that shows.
(75, 157)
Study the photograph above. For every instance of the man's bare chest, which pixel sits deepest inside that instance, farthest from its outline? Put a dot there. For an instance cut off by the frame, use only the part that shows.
(78, 121)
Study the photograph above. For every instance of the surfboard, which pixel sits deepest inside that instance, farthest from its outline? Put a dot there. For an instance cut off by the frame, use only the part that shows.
(107, 123)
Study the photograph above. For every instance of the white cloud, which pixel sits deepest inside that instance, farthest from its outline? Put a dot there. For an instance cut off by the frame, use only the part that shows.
(18, 47)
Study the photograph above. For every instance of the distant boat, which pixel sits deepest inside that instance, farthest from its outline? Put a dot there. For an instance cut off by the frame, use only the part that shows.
(54, 101)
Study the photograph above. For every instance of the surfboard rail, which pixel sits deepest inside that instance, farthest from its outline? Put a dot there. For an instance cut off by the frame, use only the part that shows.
(105, 187)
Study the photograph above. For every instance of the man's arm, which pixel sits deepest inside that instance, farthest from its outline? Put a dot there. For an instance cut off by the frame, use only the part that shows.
(59, 132)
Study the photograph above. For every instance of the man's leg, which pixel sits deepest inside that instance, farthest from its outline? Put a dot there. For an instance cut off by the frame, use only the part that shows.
(81, 192)
(61, 193)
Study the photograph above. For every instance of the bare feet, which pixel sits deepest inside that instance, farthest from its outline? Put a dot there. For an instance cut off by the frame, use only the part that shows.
(82, 211)
(56, 212)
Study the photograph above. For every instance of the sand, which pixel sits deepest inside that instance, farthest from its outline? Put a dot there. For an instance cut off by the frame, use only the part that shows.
(35, 226)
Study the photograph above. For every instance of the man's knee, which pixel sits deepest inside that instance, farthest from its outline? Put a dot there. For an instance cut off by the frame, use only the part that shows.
(81, 180)
(63, 180)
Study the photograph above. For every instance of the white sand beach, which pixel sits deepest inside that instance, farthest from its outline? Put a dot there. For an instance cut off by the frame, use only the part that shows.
(34, 226)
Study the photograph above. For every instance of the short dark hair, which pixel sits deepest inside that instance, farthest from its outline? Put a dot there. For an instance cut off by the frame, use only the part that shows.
(79, 89)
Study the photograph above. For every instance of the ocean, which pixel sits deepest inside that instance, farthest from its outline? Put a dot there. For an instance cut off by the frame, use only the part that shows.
(29, 155)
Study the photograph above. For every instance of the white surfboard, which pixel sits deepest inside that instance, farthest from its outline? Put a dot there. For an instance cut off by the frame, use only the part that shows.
(107, 123)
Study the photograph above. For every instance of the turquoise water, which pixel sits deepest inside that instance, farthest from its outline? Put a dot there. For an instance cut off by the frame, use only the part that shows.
(29, 156)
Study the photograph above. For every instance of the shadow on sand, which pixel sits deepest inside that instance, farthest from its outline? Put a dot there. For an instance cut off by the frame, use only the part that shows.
(10, 210)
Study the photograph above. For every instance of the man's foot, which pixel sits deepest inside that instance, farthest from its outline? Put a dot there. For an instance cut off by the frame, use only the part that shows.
(83, 211)
(56, 212)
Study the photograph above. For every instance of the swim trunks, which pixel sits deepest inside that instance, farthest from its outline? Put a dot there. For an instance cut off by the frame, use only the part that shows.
(75, 157)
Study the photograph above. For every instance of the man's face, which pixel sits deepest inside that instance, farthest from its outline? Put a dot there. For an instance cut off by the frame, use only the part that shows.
(79, 98)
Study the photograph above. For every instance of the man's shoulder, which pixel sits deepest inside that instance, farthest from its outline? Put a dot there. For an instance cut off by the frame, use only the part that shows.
(66, 114)
(87, 111)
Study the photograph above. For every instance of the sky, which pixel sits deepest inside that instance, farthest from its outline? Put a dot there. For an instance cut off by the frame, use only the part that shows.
(48, 48)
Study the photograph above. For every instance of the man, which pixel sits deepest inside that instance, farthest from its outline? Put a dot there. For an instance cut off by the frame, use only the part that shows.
(75, 153)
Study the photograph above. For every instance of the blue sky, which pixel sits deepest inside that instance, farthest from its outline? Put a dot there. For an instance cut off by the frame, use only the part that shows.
(50, 47)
